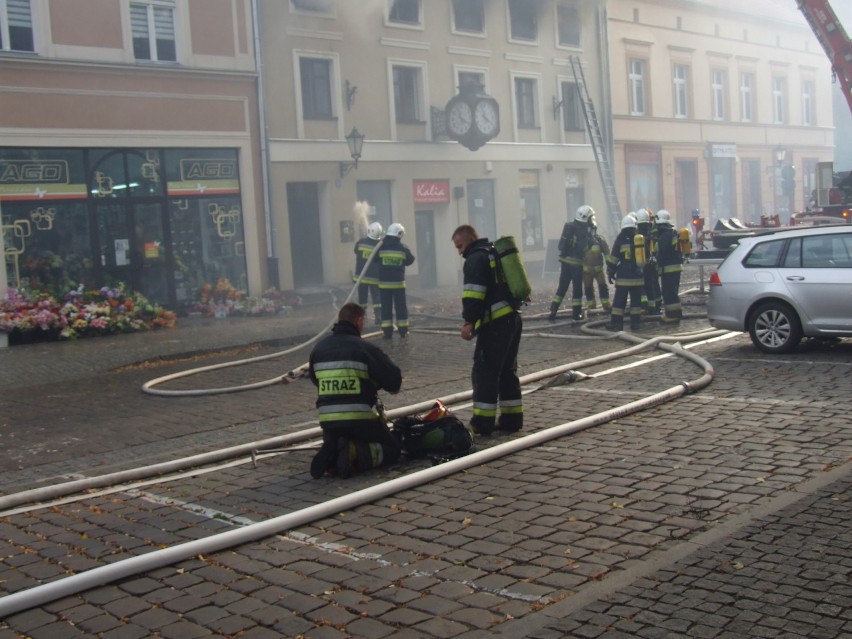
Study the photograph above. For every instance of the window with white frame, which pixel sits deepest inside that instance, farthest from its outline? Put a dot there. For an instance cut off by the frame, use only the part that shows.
(572, 110)
(746, 96)
(153, 28)
(636, 77)
(404, 11)
(407, 94)
(807, 102)
(16, 26)
(469, 16)
(717, 88)
(314, 6)
(523, 20)
(680, 78)
(568, 24)
(475, 78)
(315, 81)
(525, 102)
(779, 99)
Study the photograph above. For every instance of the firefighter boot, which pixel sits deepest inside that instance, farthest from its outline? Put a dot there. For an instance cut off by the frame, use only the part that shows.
(324, 459)
(345, 458)
(635, 322)
(482, 425)
(553, 308)
(616, 323)
(606, 305)
(591, 304)
(510, 423)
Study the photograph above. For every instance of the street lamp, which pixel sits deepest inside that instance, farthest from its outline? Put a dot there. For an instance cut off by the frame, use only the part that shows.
(355, 141)
(780, 155)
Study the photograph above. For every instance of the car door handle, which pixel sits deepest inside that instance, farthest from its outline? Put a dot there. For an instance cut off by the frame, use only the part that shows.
(796, 278)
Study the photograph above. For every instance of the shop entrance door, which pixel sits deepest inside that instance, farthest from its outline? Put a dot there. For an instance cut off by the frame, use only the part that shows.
(305, 234)
(424, 227)
(150, 253)
(114, 241)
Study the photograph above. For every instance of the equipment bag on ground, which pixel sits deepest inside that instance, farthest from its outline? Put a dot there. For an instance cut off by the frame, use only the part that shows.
(439, 435)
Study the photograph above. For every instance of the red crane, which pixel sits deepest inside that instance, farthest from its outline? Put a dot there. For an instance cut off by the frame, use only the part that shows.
(832, 36)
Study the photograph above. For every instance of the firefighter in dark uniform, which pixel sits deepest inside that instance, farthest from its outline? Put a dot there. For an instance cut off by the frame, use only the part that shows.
(369, 284)
(393, 257)
(490, 317)
(348, 373)
(670, 265)
(652, 297)
(626, 273)
(575, 240)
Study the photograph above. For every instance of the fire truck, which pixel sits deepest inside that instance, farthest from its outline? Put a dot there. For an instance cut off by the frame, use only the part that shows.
(834, 189)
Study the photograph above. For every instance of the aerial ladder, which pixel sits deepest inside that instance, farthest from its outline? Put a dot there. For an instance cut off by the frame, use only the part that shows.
(832, 36)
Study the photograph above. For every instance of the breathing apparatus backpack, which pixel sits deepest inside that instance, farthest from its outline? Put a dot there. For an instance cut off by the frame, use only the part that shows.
(438, 435)
(511, 271)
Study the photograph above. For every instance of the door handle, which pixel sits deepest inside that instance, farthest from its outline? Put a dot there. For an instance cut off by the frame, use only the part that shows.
(796, 278)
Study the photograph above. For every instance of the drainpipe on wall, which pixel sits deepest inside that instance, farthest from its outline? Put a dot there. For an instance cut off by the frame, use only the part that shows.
(271, 259)
(4, 338)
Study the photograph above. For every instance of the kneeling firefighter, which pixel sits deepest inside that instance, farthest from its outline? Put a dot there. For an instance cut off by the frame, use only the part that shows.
(348, 372)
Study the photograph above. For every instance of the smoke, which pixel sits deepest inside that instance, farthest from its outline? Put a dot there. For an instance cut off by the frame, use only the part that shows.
(361, 210)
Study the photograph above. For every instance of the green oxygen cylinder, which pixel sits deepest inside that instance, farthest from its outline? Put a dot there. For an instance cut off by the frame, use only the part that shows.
(514, 271)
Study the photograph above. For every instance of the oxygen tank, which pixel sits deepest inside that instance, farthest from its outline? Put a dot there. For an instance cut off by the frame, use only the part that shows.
(514, 271)
(639, 250)
(684, 242)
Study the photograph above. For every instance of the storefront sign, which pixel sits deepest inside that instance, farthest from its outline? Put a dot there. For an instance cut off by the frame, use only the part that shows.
(431, 191)
(723, 150)
(37, 180)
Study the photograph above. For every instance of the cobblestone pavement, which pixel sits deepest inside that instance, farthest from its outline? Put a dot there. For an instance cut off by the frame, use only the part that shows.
(725, 513)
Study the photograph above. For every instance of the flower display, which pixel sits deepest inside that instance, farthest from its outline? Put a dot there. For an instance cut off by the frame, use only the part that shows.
(224, 300)
(81, 313)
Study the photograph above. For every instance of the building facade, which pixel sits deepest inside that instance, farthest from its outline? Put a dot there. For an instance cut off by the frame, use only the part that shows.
(129, 146)
(722, 106)
(388, 68)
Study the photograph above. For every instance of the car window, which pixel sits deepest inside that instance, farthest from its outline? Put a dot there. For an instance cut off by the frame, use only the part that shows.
(764, 254)
(793, 258)
(827, 251)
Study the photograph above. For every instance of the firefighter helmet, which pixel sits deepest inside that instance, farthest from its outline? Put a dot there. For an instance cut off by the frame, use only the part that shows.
(664, 217)
(396, 230)
(643, 216)
(585, 214)
(628, 222)
(374, 231)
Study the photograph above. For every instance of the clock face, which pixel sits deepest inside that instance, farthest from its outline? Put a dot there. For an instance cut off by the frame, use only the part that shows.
(486, 118)
(459, 118)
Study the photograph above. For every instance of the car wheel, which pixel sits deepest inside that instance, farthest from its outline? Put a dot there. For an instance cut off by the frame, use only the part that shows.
(775, 328)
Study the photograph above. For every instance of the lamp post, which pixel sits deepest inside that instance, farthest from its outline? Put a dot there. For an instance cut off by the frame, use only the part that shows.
(780, 153)
(355, 142)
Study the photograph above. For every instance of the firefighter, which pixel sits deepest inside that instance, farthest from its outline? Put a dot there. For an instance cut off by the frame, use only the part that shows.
(652, 298)
(625, 269)
(593, 271)
(490, 317)
(348, 373)
(393, 257)
(670, 264)
(369, 284)
(575, 240)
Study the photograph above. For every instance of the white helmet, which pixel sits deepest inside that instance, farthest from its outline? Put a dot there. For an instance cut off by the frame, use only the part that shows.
(628, 222)
(374, 231)
(396, 230)
(585, 214)
(643, 216)
(664, 217)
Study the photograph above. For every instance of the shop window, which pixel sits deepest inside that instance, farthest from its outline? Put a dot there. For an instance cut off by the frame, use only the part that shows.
(568, 24)
(525, 102)
(153, 28)
(315, 77)
(530, 193)
(523, 20)
(469, 15)
(406, 94)
(16, 26)
(404, 11)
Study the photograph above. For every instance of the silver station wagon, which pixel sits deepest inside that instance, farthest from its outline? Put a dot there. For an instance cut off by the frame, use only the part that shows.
(785, 285)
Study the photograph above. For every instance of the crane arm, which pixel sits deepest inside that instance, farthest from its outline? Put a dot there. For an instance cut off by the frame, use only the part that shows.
(832, 36)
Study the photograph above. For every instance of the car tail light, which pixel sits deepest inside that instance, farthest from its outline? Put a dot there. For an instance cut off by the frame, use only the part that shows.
(715, 280)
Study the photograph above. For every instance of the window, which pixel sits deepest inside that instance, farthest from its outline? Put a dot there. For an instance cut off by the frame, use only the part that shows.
(746, 96)
(637, 86)
(469, 15)
(153, 27)
(16, 26)
(572, 115)
(779, 97)
(406, 94)
(568, 25)
(764, 254)
(315, 77)
(808, 102)
(680, 79)
(531, 234)
(827, 251)
(718, 90)
(320, 6)
(523, 20)
(471, 77)
(525, 102)
(405, 11)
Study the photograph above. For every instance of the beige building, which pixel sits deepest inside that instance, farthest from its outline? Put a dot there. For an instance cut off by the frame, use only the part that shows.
(388, 69)
(129, 139)
(718, 105)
